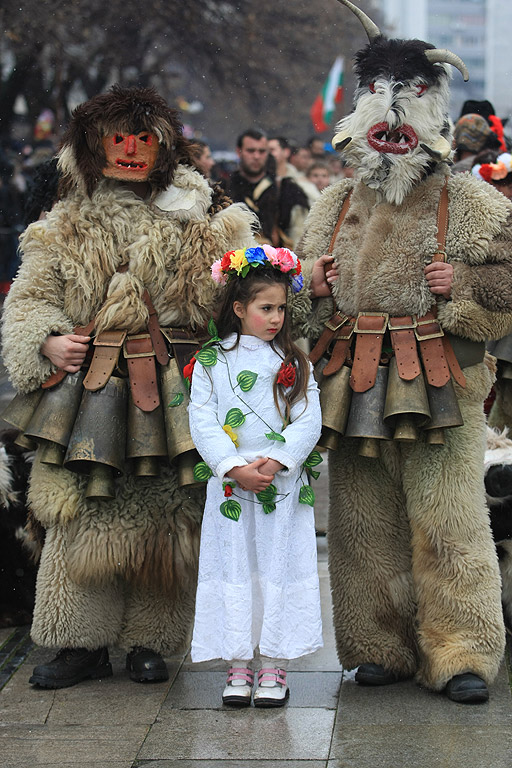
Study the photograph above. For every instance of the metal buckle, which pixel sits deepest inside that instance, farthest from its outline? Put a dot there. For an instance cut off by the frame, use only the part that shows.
(427, 336)
(385, 320)
(129, 356)
(333, 327)
(403, 327)
(110, 339)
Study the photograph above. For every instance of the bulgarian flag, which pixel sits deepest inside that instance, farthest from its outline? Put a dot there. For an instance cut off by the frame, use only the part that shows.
(332, 93)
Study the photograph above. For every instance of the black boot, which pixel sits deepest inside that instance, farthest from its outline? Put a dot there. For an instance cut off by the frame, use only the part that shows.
(71, 666)
(467, 689)
(146, 666)
(375, 674)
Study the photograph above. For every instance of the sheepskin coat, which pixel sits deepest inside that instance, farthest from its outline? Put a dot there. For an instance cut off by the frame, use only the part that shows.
(414, 574)
(122, 571)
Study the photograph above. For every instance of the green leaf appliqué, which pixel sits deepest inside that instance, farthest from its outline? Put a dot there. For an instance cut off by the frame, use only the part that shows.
(268, 508)
(212, 328)
(313, 459)
(275, 436)
(246, 379)
(234, 418)
(314, 474)
(177, 400)
(202, 472)
(207, 357)
(231, 509)
(268, 495)
(307, 495)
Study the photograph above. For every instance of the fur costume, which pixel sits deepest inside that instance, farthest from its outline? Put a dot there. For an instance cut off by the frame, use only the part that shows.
(118, 572)
(414, 574)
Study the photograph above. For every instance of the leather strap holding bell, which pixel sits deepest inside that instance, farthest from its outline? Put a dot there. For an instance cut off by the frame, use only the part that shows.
(184, 343)
(140, 357)
(370, 328)
(328, 334)
(343, 339)
(107, 347)
(155, 332)
(430, 341)
(404, 346)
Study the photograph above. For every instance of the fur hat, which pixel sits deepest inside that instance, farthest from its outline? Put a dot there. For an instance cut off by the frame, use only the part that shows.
(133, 110)
(471, 132)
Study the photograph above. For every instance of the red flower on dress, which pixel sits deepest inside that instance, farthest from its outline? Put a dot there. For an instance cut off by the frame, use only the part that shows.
(286, 375)
(228, 490)
(189, 368)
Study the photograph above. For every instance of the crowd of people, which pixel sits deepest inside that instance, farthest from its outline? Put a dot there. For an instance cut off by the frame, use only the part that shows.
(156, 304)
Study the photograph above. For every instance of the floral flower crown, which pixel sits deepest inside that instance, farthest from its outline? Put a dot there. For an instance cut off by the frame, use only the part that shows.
(494, 171)
(239, 262)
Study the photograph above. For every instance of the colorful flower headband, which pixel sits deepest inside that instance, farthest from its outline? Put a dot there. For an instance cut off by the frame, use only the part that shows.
(239, 263)
(494, 171)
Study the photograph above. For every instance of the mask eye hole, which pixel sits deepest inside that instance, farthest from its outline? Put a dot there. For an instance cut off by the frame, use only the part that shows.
(372, 87)
(145, 138)
(118, 138)
(421, 89)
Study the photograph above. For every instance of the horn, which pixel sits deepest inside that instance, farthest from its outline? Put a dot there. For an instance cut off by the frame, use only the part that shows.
(52, 421)
(370, 28)
(438, 55)
(439, 151)
(406, 407)
(340, 141)
(19, 412)
(335, 397)
(365, 418)
(98, 441)
(145, 441)
(180, 447)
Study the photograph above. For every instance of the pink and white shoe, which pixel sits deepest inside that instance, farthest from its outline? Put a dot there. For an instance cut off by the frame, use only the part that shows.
(238, 690)
(272, 690)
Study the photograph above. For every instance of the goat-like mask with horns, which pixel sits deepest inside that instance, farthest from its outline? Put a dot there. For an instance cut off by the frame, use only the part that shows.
(399, 128)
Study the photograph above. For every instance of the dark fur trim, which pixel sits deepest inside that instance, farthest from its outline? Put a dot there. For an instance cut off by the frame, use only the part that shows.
(130, 110)
(402, 59)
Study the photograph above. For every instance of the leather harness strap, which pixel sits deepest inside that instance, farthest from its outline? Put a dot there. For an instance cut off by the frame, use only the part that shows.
(140, 357)
(403, 341)
(107, 347)
(370, 329)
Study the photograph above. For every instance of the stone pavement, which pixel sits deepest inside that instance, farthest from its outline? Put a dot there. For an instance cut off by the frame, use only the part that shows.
(329, 721)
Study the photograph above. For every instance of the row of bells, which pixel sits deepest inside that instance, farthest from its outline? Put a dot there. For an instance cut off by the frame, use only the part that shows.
(99, 434)
(393, 409)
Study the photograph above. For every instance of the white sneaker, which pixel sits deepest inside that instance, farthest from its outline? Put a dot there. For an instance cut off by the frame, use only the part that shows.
(272, 690)
(238, 688)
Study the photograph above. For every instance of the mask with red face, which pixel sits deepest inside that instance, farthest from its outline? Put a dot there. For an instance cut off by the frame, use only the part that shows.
(130, 157)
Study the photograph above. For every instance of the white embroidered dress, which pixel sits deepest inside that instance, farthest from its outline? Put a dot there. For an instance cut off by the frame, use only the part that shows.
(258, 580)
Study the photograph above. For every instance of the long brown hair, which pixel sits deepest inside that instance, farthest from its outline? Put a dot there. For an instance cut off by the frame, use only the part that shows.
(245, 290)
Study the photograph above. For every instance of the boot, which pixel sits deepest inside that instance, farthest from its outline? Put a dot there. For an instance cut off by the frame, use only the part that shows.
(146, 666)
(467, 689)
(71, 666)
(375, 674)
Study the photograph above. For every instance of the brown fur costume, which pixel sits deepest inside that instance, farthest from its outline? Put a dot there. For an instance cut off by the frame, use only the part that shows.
(122, 571)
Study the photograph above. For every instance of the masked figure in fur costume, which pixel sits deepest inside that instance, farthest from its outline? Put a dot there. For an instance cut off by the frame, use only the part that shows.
(117, 272)
(420, 274)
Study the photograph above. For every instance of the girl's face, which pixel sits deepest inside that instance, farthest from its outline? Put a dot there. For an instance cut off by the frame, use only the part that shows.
(263, 316)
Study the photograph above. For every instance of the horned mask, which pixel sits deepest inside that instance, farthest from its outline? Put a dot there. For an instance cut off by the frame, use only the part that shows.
(399, 128)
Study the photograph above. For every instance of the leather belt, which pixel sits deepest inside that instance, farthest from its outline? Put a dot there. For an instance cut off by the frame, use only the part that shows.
(404, 346)
(370, 328)
(107, 347)
(140, 356)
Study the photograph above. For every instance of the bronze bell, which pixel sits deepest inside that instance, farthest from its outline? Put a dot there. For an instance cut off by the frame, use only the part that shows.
(145, 441)
(180, 447)
(335, 398)
(52, 421)
(506, 371)
(406, 408)
(98, 441)
(19, 412)
(444, 408)
(365, 418)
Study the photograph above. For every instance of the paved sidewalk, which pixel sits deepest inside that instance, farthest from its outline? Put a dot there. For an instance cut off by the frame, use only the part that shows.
(329, 722)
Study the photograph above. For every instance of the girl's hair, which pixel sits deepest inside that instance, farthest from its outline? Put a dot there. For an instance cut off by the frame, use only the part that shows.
(245, 290)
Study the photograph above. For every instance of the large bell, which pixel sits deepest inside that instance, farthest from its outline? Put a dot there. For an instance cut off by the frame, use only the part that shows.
(366, 414)
(406, 408)
(145, 441)
(445, 412)
(52, 421)
(506, 372)
(18, 414)
(180, 447)
(335, 398)
(98, 441)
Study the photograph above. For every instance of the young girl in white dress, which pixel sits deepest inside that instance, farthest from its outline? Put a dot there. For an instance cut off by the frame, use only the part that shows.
(255, 419)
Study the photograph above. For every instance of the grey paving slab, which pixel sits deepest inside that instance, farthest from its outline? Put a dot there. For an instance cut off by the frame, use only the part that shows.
(407, 704)
(250, 734)
(234, 764)
(21, 702)
(435, 746)
(59, 764)
(74, 744)
(203, 690)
